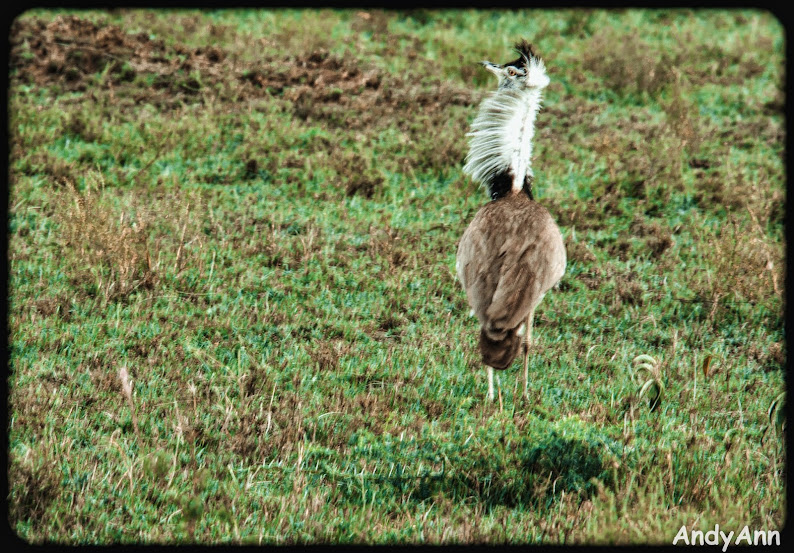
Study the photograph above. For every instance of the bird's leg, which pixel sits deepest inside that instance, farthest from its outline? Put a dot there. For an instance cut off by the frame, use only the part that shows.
(490, 383)
(527, 343)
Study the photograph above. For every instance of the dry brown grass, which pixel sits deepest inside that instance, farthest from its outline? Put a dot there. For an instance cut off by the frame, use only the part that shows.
(123, 246)
(749, 260)
(747, 268)
(113, 246)
(682, 116)
(38, 477)
(626, 63)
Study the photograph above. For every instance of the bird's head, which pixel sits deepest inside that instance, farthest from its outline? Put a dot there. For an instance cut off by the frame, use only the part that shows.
(526, 72)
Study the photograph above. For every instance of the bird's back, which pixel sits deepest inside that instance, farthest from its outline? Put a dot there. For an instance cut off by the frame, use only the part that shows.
(510, 255)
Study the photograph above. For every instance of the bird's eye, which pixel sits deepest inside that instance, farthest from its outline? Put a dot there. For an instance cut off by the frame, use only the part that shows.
(512, 72)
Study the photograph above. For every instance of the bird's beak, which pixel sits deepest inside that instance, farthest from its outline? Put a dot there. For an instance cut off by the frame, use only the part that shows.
(492, 67)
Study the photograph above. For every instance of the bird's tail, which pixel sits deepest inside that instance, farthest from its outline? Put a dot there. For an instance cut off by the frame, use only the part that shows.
(499, 349)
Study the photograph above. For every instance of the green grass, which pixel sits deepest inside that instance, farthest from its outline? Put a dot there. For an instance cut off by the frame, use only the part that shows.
(271, 258)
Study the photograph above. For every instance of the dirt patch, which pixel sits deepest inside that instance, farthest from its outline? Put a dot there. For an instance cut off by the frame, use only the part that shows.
(328, 353)
(79, 55)
(712, 192)
(324, 87)
(579, 252)
(320, 76)
(629, 291)
(626, 63)
(34, 481)
(584, 215)
(69, 50)
(52, 306)
(773, 358)
(657, 238)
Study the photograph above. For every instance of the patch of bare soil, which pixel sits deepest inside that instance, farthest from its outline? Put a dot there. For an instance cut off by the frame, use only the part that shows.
(72, 52)
(324, 87)
(579, 252)
(321, 76)
(657, 239)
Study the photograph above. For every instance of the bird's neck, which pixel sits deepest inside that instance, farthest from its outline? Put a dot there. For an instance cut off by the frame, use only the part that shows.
(500, 146)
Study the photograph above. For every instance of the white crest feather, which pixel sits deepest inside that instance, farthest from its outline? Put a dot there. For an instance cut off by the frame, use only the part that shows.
(501, 134)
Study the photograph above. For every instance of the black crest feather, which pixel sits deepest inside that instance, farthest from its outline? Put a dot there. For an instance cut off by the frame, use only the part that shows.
(524, 49)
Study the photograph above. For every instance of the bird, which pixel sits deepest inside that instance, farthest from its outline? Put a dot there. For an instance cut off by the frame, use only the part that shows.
(512, 252)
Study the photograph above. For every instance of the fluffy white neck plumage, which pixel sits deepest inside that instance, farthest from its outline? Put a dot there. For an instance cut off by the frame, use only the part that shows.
(501, 136)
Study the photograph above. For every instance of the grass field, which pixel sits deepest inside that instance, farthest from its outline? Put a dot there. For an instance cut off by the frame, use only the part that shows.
(234, 316)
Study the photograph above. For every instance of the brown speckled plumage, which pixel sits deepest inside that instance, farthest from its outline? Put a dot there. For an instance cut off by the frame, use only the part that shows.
(510, 255)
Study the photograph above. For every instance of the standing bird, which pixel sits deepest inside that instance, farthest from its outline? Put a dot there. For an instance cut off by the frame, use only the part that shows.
(512, 253)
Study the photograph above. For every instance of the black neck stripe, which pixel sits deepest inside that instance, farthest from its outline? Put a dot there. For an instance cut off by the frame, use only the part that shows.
(502, 183)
